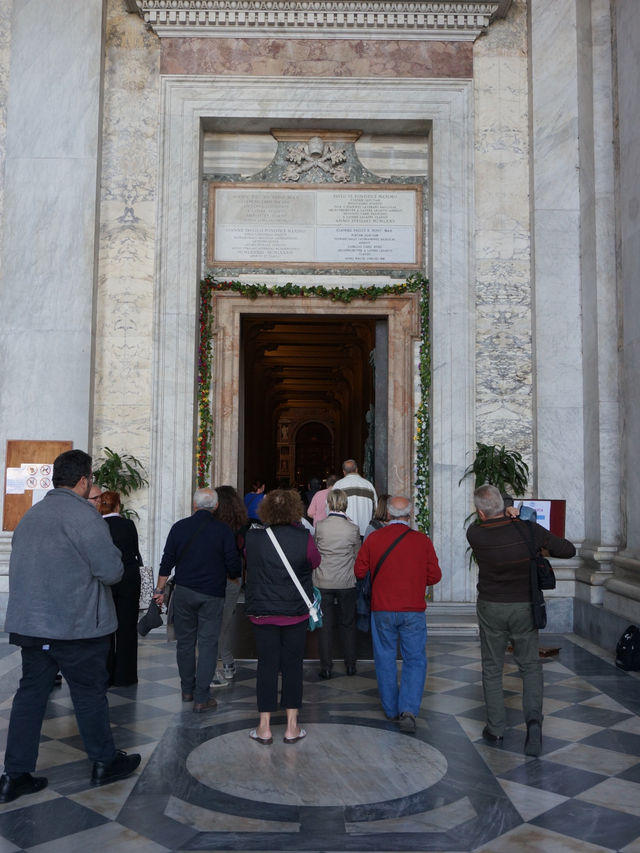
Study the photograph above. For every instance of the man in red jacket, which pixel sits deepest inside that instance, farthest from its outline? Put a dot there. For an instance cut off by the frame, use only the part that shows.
(403, 563)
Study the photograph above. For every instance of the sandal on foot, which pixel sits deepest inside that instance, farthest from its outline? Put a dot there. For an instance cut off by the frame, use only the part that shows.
(265, 741)
(302, 734)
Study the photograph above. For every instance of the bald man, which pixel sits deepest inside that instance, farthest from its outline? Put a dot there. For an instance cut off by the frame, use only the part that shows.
(402, 563)
(361, 495)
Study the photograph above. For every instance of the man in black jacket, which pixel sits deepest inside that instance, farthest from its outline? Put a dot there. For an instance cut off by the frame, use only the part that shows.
(204, 554)
(500, 546)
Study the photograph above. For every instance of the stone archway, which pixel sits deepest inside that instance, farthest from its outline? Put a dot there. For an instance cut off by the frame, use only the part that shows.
(187, 103)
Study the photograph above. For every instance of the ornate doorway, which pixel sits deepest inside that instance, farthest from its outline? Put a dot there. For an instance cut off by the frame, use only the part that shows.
(235, 314)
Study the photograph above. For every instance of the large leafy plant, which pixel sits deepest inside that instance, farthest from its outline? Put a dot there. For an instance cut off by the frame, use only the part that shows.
(500, 467)
(121, 473)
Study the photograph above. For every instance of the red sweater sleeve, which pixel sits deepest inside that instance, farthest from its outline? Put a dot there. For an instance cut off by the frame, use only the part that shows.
(362, 563)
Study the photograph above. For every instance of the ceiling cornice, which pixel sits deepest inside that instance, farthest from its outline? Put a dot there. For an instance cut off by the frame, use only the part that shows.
(456, 20)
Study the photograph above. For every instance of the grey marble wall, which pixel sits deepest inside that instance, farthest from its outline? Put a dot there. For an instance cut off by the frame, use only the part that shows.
(6, 7)
(51, 175)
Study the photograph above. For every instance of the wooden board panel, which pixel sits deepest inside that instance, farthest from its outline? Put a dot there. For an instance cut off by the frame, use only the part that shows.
(19, 452)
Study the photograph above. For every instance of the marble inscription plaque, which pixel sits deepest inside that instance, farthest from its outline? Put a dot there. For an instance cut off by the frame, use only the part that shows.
(263, 225)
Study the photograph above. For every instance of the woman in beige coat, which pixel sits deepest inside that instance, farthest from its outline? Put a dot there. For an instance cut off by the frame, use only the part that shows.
(338, 541)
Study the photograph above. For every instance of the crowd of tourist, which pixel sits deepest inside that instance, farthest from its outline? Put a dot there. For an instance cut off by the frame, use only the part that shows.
(75, 587)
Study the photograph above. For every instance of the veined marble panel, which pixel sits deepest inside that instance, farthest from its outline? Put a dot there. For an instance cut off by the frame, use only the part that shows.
(273, 57)
(125, 296)
(504, 370)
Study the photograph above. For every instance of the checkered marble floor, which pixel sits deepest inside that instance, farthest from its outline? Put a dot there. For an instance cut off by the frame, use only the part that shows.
(355, 783)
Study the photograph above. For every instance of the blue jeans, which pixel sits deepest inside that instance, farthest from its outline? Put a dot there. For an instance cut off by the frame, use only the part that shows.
(410, 628)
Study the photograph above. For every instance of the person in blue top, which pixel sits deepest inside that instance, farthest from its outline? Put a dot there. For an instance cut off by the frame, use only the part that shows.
(253, 499)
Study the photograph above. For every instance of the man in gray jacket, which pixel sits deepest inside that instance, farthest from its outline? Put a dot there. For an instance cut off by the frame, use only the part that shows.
(338, 541)
(61, 614)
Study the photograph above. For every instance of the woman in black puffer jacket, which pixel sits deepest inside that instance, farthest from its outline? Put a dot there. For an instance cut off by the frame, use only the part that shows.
(277, 610)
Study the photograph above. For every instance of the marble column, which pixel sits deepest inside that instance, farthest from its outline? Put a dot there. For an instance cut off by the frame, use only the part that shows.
(560, 441)
(52, 165)
(622, 591)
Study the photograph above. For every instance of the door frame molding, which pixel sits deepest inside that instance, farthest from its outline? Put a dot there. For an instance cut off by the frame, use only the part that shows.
(402, 313)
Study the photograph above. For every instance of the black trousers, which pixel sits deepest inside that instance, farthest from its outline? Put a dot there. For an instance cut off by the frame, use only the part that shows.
(338, 603)
(122, 662)
(83, 664)
(280, 650)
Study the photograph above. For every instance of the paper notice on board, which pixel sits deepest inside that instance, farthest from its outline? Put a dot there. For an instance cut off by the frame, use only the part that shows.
(15, 481)
(37, 476)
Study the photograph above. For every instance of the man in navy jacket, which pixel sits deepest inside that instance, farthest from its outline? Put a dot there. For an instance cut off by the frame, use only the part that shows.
(204, 554)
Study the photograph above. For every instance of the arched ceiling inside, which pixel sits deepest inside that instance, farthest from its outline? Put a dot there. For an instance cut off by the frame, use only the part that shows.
(303, 369)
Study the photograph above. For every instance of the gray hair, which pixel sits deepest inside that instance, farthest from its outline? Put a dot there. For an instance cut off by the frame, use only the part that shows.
(349, 466)
(398, 512)
(205, 499)
(337, 500)
(488, 500)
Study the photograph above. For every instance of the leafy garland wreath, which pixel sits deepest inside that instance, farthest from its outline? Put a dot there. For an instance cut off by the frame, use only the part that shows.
(414, 284)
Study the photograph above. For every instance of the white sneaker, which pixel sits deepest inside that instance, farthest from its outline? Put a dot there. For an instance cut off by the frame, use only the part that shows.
(219, 680)
(229, 671)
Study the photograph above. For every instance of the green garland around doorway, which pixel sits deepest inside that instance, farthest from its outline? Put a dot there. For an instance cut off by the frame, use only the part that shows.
(414, 284)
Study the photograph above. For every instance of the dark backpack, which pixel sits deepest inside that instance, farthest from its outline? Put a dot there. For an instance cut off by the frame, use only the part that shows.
(628, 649)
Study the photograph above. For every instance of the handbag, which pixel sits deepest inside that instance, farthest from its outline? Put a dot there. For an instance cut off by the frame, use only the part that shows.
(364, 586)
(315, 610)
(146, 587)
(151, 619)
(546, 579)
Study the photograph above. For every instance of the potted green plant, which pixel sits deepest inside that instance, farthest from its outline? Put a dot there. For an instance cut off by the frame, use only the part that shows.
(121, 473)
(500, 467)
(503, 468)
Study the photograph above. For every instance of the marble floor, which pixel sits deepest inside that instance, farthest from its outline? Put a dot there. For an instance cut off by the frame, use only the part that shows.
(355, 783)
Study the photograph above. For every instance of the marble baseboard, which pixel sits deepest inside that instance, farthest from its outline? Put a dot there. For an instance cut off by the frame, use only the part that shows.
(559, 615)
(597, 624)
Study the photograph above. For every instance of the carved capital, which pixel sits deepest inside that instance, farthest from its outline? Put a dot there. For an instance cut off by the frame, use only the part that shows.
(456, 20)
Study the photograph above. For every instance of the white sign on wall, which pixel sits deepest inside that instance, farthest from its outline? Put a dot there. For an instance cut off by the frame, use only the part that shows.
(265, 225)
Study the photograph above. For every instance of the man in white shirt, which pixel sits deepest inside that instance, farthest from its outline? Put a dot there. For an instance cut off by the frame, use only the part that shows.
(361, 495)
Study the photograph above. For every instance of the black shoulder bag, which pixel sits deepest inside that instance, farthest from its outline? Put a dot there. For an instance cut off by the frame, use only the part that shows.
(363, 587)
(541, 577)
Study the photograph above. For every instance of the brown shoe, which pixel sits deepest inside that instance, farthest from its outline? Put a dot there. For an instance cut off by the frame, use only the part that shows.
(201, 707)
(187, 697)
